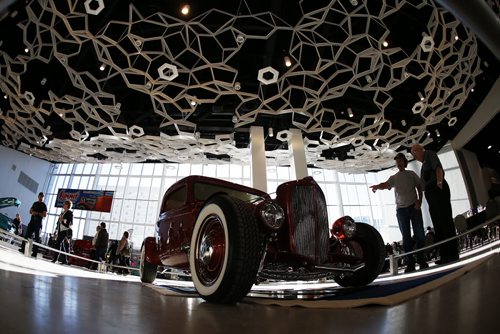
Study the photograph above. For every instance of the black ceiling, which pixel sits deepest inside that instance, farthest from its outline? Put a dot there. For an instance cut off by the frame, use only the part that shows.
(355, 100)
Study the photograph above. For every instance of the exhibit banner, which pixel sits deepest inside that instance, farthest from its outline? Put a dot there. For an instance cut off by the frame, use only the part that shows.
(91, 200)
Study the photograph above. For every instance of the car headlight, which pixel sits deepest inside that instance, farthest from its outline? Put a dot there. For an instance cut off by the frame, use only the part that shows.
(344, 227)
(271, 214)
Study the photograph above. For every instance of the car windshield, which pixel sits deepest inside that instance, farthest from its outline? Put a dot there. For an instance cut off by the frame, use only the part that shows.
(202, 191)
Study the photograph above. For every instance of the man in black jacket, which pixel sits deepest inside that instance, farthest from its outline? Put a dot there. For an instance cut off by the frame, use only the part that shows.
(101, 244)
(38, 211)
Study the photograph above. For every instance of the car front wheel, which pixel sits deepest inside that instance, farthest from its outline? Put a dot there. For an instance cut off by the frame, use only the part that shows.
(367, 245)
(225, 250)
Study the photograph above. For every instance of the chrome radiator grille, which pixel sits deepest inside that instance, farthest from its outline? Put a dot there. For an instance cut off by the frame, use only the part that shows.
(309, 222)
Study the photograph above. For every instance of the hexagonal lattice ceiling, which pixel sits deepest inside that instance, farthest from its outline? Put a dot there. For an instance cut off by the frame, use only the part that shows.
(133, 81)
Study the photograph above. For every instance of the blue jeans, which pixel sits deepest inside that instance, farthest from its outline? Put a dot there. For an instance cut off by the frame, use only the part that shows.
(414, 216)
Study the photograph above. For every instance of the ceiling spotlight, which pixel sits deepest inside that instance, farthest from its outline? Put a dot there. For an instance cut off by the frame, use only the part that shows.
(349, 112)
(489, 147)
(354, 2)
(240, 38)
(472, 90)
(5, 97)
(197, 135)
(288, 62)
(26, 50)
(437, 133)
(237, 86)
(185, 9)
(103, 66)
(235, 119)
(403, 122)
(385, 44)
(61, 114)
(270, 131)
(456, 37)
(193, 103)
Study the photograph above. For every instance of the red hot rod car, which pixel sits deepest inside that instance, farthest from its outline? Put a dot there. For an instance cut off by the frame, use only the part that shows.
(229, 236)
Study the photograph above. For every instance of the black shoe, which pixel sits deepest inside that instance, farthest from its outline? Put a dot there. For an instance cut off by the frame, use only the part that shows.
(33, 256)
(423, 265)
(54, 261)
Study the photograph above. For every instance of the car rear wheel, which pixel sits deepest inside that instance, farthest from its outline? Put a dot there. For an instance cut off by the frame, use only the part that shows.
(366, 244)
(147, 269)
(225, 250)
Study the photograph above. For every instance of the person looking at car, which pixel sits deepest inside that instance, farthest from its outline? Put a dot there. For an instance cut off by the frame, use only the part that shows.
(17, 224)
(94, 240)
(38, 211)
(438, 196)
(101, 244)
(123, 252)
(408, 194)
(63, 232)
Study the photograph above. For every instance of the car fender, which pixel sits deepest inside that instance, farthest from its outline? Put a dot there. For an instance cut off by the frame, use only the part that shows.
(151, 251)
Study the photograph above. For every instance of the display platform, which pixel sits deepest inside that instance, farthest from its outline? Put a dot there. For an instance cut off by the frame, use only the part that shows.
(388, 290)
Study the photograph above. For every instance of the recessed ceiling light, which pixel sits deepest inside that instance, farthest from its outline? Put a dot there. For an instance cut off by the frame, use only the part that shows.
(185, 9)
(288, 62)
(456, 37)
(103, 66)
(385, 44)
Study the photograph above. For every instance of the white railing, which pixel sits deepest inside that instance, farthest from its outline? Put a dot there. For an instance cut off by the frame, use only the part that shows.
(394, 259)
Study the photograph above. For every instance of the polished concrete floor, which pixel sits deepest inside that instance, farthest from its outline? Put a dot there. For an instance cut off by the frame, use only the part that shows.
(41, 301)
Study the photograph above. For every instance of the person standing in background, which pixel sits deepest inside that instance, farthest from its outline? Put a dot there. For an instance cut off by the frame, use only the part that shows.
(63, 232)
(38, 211)
(17, 224)
(437, 194)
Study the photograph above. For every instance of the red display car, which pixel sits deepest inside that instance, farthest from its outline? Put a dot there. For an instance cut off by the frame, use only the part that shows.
(229, 236)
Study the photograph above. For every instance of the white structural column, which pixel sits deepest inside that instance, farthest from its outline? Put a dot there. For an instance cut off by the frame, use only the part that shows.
(258, 150)
(296, 146)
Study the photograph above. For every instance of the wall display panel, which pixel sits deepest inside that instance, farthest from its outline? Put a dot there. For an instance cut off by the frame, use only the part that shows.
(90, 200)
